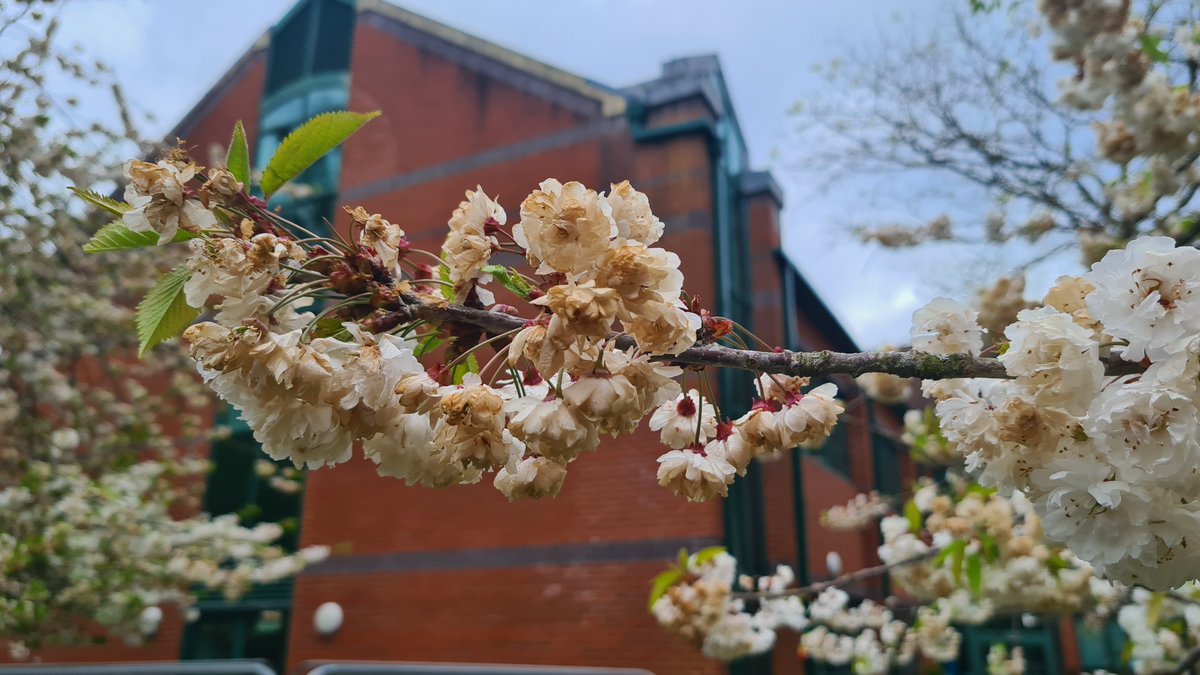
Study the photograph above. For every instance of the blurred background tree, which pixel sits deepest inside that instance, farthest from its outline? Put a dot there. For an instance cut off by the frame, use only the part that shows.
(1025, 159)
(102, 455)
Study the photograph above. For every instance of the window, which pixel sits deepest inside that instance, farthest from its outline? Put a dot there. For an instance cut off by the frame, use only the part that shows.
(308, 73)
(235, 484)
(835, 452)
(254, 626)
(886, 459)
(1040, 644)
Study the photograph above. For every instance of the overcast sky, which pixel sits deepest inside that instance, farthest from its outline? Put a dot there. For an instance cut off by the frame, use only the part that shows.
(168, 53)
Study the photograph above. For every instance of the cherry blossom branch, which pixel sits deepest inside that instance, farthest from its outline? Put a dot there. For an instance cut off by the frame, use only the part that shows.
(807, 364)
(844, 580)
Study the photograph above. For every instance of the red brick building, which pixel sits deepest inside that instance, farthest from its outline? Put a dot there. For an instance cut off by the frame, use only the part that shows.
(461, 575)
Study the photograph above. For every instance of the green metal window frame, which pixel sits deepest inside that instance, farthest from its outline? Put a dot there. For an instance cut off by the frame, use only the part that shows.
(1043, 655)
(313, 42)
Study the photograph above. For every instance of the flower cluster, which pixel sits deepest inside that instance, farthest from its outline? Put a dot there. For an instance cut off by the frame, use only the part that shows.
(1151, 118)
(1001, 661)
(99, 484)
(701, 601)
(1107, 461)
(606, 311)
(119, 526)
(699, 605)
(991, 555)
(709, 453)
(923, 436)
(859, 512)
(1162, 627)
(865, 636)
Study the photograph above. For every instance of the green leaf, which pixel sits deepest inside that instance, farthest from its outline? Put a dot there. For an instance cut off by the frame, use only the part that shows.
(1055, 563)
(430, 343)
(116, 237)
(975, 575)
(510, 279)
(471, 365)
(662, 582)
(913, 514)
(956, 559)
(682, 559)
(331, 327)
(1154, 608)
(708, 554)
(164, 312)
(1151, 46)
(237, 159)
(991, 552)
(940, 558)
(96, 199)
(443, 272)
(308, 143)
(984, 493)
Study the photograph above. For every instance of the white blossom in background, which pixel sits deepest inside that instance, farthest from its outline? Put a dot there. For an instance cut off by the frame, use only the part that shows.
(101, 451)
(863, 510)
(1109, 462)
(1002, 661)
(946, 326)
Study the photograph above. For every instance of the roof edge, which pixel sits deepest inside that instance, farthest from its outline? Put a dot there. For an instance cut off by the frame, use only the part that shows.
(823, 317)
(611, 104)
(756, 183)
(231, 75)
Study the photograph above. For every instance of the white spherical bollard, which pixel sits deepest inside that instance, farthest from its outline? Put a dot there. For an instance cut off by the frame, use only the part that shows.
(328, 619)
(149, 620)
(833, 563)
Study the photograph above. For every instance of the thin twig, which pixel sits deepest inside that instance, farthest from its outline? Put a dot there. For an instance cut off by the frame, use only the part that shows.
(844, 580)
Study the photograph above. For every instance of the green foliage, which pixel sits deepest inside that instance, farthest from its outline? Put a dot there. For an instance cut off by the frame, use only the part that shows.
(1055, 563)
(1151, 46)
(954, 552)
(1154, 609)
(164, 312)
(309, 143)
(708, 554)
(430, 343)
(443, 272)
(237, 159)
(98, 200)
(510, 279)
(913, 514)
(331, 327)
(975, 575)
(991, 552)
(675, 574)
(661, 583)
(471, 365)
(116, 237)
(957, 554)
(985, 493)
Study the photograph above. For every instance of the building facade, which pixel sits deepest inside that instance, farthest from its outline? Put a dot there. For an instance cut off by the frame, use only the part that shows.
(460, 575)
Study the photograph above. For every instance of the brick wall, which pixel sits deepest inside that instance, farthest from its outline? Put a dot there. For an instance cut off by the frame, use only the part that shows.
(459, 574)
(413, 586)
